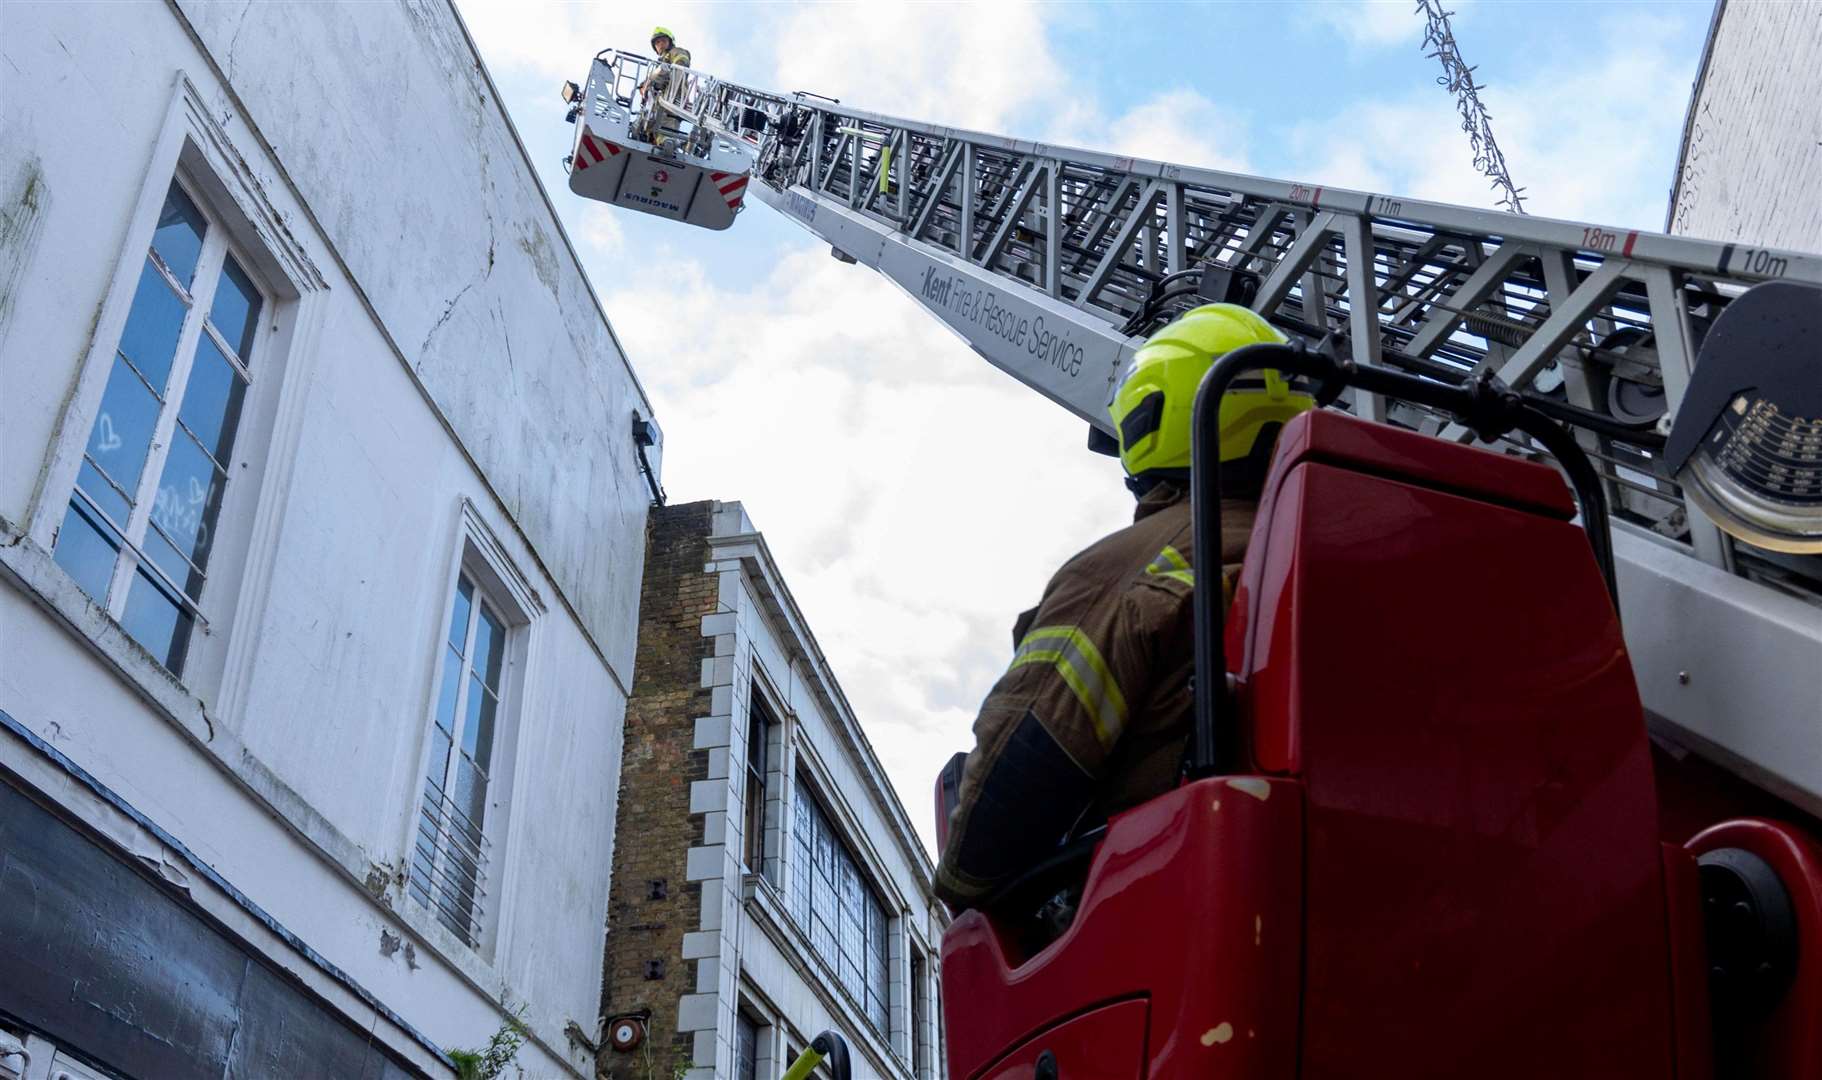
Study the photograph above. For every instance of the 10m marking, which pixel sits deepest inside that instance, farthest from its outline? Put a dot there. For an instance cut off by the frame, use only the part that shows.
(1759, 261)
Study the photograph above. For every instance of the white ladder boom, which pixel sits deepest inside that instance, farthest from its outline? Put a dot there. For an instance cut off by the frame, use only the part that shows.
(1041, 256)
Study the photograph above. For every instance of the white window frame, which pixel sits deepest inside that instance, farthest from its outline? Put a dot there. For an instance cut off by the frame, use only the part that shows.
(763, 691)
(194, 149)
(752, 814)
(765, 1033)
(498, 583)
(920, 1063)
(198, 299)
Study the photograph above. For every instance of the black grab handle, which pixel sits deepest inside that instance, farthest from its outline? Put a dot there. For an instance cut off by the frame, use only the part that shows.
(1484, 405)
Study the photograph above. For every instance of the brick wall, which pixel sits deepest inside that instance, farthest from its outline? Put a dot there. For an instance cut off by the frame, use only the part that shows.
(655, 826)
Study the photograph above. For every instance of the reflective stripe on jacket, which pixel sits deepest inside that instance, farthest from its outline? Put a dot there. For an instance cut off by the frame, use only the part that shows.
(1092, 715)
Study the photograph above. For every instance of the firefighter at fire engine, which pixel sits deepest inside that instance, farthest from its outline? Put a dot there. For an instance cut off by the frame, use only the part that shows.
(661, 81)
(1093, 715)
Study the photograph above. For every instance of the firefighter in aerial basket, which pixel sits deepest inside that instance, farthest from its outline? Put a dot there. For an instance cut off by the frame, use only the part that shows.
(1093, 715)
(662, 82)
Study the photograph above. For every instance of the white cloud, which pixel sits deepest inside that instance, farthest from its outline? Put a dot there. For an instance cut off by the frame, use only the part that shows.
(917, 499)
(1183, 127)
(1588, 142)
(1371, 24)
(945, 62)
(604, 234)
(971, 65)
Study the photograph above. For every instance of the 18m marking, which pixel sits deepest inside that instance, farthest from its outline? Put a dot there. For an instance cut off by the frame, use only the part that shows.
(1595, 239)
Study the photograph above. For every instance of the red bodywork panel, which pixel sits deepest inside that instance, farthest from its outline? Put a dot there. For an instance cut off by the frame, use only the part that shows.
(1107, 1043)
(1482, 860)
(1449, 839)
(1166, 922)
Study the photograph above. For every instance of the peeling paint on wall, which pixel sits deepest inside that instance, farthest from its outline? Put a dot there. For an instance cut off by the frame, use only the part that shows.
(376, 882)
(21, 220)
(543, 261)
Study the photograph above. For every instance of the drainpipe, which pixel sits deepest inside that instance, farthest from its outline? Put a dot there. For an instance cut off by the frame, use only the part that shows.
(645, 433)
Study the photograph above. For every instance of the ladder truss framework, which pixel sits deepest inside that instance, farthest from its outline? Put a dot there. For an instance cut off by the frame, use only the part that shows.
(1038, 256)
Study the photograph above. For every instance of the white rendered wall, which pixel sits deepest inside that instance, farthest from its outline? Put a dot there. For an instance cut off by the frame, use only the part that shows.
(447, 353)
(1751, 164)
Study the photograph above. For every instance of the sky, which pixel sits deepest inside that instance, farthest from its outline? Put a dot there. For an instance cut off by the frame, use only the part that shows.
(915, 498)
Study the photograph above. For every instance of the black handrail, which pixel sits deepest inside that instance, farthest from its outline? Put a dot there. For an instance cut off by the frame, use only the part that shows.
(828, 1046)
(1484, 405)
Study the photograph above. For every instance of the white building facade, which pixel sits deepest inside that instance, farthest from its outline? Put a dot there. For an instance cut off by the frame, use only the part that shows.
(807, 902)
(1750, 166)
(322, 523)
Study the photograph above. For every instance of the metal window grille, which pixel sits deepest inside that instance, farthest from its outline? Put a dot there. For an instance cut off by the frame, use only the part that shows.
(140, 527)
(844, 918)
(451, 849)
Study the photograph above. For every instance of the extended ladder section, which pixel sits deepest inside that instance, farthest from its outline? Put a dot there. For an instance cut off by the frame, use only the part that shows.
(1052, 263)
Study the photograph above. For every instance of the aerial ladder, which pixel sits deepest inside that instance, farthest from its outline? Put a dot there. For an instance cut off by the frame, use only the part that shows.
(1446, 340)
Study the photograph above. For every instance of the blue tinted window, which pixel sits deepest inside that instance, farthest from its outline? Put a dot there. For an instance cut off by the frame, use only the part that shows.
(235, 311)
(478, 723)
(102, 493)
(189, 499)
(489, 647)
(477, 735)
(150, 339)
(446, 705)
(156, 621)
(169, 559)
(212, 400)
(123, 428)
(86, 549)
(458, 615)
(178, 239)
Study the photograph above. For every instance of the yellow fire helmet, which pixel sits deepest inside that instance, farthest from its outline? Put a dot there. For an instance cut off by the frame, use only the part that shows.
(1153, 409)
(662, 32)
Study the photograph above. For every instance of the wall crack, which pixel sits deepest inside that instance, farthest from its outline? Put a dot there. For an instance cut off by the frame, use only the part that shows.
(449, 309)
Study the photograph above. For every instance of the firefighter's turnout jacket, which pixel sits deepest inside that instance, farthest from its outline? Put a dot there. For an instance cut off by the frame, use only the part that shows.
(1093, 715)
(661, 76)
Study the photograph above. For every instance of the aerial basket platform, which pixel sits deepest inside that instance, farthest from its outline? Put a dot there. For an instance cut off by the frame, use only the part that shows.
(642, 143)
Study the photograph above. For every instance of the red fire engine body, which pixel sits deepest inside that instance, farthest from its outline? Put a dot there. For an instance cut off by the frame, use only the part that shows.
(1449, 856)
